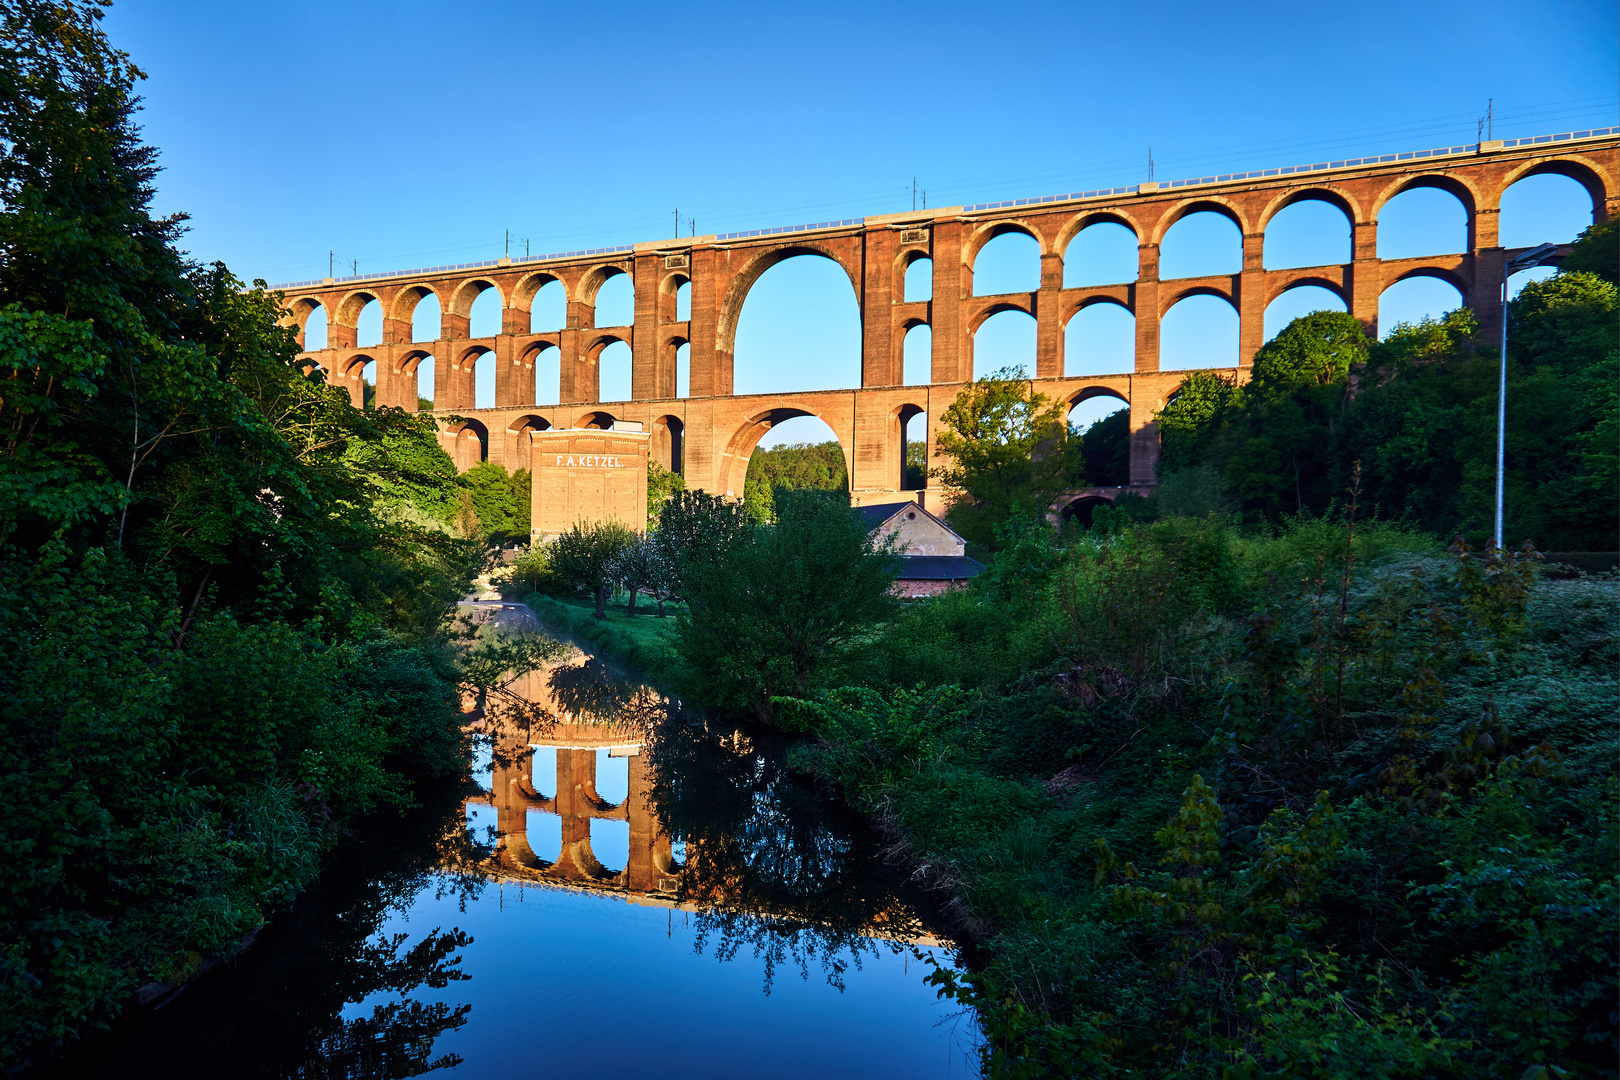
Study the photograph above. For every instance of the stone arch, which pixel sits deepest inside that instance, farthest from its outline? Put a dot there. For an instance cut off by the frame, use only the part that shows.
(1099, 343)
(899, 417)
(974, 242)
(403, 309)
(593, 280)
(1196, 335)
(1327, 193)
(669, 291)
(979, 318)
(1450, 277)
(668, 442)
(299, 313)
(1086, 393)
(1174, 298)
(1283, 284)
(1461, 189)
(302, 308)
(469, 444)
(524, 291)
(1215, 204)
(1081, 509)
(751, 271)
(980, 272)
(1589, 174)
(407, 369)
(733, 470)
(596, 342)
(596, 420)
(518, 442)
(350, 372)
(349, 308)
(669, 370)
(1087, 218)
(461, 300)
(906, 263)
(1072, 305)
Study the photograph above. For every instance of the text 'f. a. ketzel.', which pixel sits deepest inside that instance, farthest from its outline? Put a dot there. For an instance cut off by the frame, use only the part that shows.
(589, 462)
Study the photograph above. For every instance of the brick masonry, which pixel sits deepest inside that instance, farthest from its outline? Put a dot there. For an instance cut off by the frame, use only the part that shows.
(710, 434)
(587, 476)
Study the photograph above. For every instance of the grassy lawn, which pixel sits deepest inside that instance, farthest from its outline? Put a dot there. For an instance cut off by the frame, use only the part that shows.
(642, 640)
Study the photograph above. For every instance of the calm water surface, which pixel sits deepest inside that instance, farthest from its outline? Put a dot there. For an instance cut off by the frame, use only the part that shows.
(623, 886)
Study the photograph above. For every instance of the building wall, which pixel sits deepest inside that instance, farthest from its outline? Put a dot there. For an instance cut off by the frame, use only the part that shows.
(587, 476)
(920, 534)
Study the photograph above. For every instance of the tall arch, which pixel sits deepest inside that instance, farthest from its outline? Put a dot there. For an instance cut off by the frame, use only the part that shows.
(1204, 240)
(413, 370)
(823, 349)
(1311, 229)
(1200, 330)
(1004, 337)
(1583, 171)
(668, 442)
(1541, 207)
(405, 310)
(613, 301)
(310, 317)
(751, 271)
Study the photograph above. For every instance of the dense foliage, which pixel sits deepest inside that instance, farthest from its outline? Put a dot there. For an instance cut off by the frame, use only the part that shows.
(794, 466)
(1327, 804)
(222, 588)
(772, 609)
(500, 500)
(1418, 411)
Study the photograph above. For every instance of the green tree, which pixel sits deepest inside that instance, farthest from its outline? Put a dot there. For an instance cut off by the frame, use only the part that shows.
(794, 466)
(500, 500)
(586, 555)
(1191, 418)
(1597, 251)
(661, 484)
(1106, 450)
(1565, 321)
(774, 609)
(695, 528)
(1317, 349)
(1006, 446)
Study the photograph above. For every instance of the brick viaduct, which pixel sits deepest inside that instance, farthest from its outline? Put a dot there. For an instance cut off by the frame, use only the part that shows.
(710, 434)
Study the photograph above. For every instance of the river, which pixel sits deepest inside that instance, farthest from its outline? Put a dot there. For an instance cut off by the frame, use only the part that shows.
(623, 886)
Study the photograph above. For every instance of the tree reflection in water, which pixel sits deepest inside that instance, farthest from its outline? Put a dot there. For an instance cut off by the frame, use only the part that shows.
(773, 866)
(278, 1010)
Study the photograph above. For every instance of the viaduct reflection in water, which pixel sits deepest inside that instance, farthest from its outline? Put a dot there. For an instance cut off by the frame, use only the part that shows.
(602, 785)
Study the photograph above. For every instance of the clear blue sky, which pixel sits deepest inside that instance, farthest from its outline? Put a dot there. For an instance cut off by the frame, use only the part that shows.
(408, 134)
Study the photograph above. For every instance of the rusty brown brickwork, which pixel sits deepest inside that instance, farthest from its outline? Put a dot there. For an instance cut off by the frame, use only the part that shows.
(710, 434)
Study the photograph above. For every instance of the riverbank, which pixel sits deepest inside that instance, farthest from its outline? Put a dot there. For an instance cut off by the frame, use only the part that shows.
(641, 642)
(1345, 824)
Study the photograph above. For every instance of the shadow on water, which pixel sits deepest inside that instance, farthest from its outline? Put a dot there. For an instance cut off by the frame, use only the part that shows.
(277, 1010)
(630, 797)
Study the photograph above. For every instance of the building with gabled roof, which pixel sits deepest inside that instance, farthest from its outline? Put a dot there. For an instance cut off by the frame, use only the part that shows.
(934, 557)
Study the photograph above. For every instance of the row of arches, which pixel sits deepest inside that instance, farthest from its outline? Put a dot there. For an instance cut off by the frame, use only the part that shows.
(470, 439)
(1199, 331)
(610, 304)
(1314, 228)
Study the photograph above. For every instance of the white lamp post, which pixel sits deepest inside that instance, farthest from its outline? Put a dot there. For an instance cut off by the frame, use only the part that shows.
(1540, 255)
